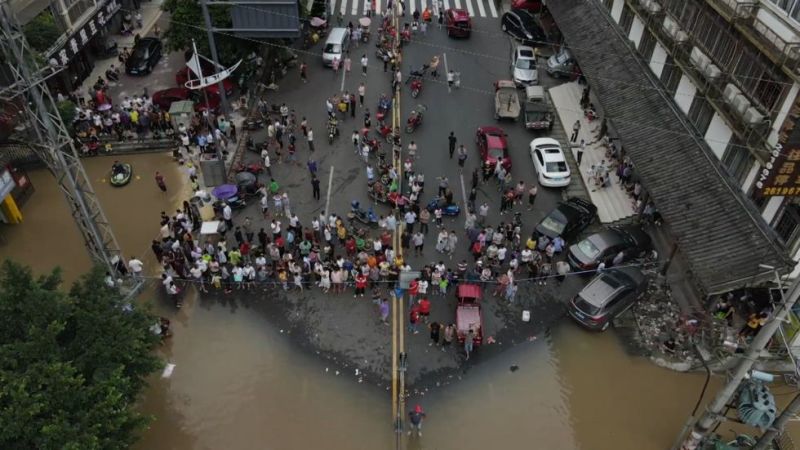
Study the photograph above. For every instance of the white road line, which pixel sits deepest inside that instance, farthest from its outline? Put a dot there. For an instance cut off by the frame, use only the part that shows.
(377, 7)
(457, 3)
(446, 71)
(446, 5)
(469, 8)
(354, 8)
(309, 5)
(344, 76)
(481, 11)
(328, 194)
(492, 9)
(333, 6)
(410, 8)
(423, 5)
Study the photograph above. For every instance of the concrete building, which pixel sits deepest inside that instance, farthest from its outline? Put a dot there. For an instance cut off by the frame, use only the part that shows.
(732, 67)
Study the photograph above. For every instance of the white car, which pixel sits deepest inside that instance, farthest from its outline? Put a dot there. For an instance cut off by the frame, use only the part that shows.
(523, 66)
(551, 166)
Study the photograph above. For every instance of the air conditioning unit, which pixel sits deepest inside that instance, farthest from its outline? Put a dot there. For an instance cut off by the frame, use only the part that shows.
(741, 104)
(699, 59)
(753, 116)
(681, 36)
(712, 72)
(669, 26)
(730, 92)
(653, 7)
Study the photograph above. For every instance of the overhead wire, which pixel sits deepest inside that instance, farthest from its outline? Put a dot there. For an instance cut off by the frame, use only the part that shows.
(491, 93)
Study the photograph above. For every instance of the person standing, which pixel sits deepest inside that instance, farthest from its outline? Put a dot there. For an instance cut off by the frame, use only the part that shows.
(304, 72)
(315, 187)
(424, 219)
(575, 129)
(415, 419)
(435, 328)
(352, 102)
(413, 319)
(451, 140)
(581, 148)
(462, 156)
(469, 342)
(310, 137)
(160, 182)
(364, 62)
(362, 91)
(532, 196)
(136, 267)
(449, 336)
(384, 310)
(347, 63)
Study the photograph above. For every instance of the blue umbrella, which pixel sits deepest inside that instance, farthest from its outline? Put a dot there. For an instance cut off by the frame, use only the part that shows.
(225, 191)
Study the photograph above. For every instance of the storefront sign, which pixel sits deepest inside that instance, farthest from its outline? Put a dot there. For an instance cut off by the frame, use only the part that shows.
(85, 34)
(781, 174)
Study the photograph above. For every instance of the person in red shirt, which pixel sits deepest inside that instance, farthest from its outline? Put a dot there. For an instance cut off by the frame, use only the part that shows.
(244, 249)
(424, 308)
(413, 319)
(350, 246)
(361, 285)
(413, 290)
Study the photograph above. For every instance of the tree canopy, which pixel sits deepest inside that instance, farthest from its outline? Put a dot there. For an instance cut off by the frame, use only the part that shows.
(71, 363)
(42, 31)
(187, 23)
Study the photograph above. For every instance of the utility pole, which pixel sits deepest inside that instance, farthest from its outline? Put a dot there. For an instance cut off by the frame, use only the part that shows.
(213, 45)
(765, 442)
(713, 414)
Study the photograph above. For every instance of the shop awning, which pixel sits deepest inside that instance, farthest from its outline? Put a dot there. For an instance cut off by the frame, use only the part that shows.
(718, 230)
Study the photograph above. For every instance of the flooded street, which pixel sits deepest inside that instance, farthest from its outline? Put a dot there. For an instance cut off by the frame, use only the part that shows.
(240, 384)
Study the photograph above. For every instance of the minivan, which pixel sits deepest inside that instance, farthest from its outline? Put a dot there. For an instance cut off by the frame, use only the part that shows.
(335, 46)
(561, 64)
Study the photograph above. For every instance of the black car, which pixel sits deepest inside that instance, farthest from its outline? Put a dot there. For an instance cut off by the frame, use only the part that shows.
(521, 25)
(567, 219)
(607, 296)
(144, 56)
(633, 242)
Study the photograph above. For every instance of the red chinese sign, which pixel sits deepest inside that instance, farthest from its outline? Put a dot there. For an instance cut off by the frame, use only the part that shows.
(781, 173)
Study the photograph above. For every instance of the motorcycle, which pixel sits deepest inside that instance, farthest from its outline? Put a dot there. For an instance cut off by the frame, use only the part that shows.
(382, 52)
(333, 130)
(253, 123)
(374, 144)
(386, 132)
(252, 146)
(254, 168)
(415, 119)
(416, 87)
(367, 217)
(384, 106)
(451, 210)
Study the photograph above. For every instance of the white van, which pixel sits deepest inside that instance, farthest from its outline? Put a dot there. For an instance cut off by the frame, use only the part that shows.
(335, 46)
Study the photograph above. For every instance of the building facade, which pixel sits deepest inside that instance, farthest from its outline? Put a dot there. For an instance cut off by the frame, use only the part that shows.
(733, 67)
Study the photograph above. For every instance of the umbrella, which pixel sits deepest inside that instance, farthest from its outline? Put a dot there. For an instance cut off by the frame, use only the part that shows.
(225, 191)
(245, 179)
(316, 22)
(364, 21)
(104, 107)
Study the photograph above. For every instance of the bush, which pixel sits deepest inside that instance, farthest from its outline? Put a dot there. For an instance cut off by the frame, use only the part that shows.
(42, 31)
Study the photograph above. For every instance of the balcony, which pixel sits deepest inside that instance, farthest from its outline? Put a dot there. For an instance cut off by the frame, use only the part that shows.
(78, 9)
(766, 29)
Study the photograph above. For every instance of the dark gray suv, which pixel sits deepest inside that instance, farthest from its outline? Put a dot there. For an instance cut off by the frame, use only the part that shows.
(607, 296)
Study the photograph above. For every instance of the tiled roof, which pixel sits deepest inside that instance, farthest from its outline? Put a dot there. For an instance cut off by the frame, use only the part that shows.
(722, 235)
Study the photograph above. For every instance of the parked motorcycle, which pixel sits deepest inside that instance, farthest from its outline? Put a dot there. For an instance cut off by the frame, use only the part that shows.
(367, 217)
(415, 119)
(447, 210)
(254, 168)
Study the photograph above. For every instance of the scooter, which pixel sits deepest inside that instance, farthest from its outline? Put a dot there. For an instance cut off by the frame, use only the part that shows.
(386, 132)
(447, 210)
(367, 217)
(416, 87)
(253, 123)
(415, 119)
(254, 168)
(333, 130)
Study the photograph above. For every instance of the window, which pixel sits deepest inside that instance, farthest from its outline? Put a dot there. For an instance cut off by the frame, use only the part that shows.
(626, 20)
(737, 160)
(700, 114)
(791, 7)
(608, 4)
(787, 225)
(647, 45)
(671, 76)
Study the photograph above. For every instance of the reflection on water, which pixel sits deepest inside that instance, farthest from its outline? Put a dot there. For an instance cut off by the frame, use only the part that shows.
(240, 384)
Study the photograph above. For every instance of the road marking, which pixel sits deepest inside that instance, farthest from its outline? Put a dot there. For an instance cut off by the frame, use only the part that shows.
(464, 193)
(481, 10)
(353, 7)
(309, 5)
(446, 5)
(328, 194)
(457, 3)
(446, 71)
(492, 9)
(469, 8)
(344, 76)
(332, 6)
(423, 5)
(377, 6)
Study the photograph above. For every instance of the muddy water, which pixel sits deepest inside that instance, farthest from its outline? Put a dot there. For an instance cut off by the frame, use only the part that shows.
(238, 383)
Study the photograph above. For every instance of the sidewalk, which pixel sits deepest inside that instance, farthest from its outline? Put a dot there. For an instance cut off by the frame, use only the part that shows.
(613, 202)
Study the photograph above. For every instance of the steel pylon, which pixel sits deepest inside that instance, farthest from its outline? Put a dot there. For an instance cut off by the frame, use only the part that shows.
(50, 140)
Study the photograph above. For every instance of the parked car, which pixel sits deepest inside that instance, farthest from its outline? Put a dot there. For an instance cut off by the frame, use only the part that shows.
(522, 25)
(534, 6)
(144, 56)
(523, 66)
(633, 242)
(492, 144)
(561, 64)
(607, 296)
(166, 97)
(457, 22)
(184, 75)
(567, 219)
(550, 163)
(536, 112)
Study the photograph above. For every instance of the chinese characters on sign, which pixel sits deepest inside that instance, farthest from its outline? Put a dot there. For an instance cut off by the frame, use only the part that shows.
(85, 34)
(781, 174)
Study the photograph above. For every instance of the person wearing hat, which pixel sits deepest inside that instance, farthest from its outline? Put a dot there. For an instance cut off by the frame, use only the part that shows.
(415, 418)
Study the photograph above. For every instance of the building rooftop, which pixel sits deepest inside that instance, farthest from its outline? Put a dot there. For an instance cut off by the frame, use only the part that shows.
(721, 233)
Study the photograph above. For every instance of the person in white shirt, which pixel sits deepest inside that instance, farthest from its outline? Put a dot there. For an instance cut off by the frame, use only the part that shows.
(136, 267)
(109, 280)
(227, 215)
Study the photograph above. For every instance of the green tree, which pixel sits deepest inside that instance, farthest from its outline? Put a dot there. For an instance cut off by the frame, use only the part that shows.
(71, 364)
(42, 31)
(66, 110)
(187, 23)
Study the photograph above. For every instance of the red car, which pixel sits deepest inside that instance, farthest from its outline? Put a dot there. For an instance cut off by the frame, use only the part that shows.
(457, 22)
(184, 75)
(492, 144)
(165, 98)
(534, 6)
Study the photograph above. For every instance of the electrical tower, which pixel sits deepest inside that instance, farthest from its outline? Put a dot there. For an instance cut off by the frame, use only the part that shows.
(50, 140)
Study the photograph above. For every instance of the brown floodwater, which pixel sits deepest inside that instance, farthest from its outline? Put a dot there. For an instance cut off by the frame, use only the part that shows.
(239, 383)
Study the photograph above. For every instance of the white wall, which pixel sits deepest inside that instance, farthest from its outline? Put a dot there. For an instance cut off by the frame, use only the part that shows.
(685, 94)
(778, 22)
(751, 177)
(718, 135)
(616, 10)
(637, 28)
(658, 59)
(786, 106)
(773, 205)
